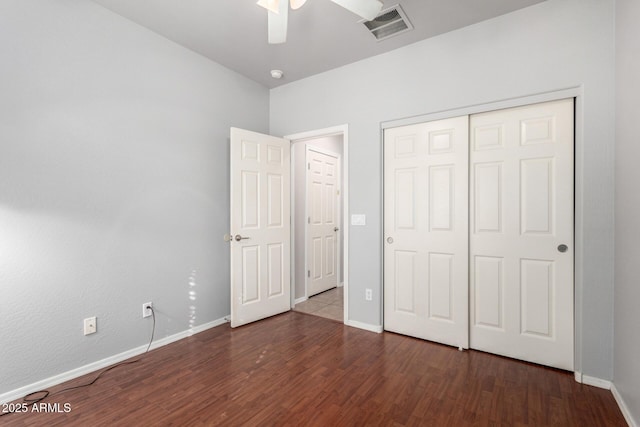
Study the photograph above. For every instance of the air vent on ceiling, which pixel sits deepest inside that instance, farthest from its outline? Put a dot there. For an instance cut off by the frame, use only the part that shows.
(390, 22)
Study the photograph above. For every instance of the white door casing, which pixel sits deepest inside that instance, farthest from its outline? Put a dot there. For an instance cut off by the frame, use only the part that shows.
(522, 203)
(260, 226)
(426, 231)
(323, 220)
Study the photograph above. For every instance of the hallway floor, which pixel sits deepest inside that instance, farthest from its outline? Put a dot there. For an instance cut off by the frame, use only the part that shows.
(328, 304)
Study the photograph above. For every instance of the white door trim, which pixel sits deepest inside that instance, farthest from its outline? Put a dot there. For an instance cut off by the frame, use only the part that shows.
(576, 92)
(312, 134)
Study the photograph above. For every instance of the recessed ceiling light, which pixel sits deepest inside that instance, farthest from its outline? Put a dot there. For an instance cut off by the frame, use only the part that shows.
(277, 74)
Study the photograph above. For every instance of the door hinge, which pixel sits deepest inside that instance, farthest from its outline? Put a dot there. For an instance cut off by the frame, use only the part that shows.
(309, 166)
(309, 220)
(308, 273)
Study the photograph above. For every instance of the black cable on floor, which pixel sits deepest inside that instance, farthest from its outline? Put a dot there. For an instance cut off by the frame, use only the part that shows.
(39, 396)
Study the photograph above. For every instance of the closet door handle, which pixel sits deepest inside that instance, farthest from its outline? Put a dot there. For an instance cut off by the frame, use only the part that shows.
(389, 240)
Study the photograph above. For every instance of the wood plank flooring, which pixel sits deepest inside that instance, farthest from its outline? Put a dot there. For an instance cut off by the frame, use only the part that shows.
(300, 370)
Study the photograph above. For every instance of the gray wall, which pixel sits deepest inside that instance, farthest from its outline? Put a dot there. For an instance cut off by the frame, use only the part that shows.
(550, 46)
(627, 288)
(113, 184)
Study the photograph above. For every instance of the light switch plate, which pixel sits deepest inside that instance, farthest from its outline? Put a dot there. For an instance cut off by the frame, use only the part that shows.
(358, 219)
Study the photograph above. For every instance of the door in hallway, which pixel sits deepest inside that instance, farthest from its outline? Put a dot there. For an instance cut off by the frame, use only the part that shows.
(323, 220)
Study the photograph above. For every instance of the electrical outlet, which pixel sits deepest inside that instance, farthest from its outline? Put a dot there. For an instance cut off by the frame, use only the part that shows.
(90, 325)
(368, 294)
(146, 309)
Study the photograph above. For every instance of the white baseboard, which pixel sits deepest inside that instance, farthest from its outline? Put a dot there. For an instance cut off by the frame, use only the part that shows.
(365, 326)
(608, 385)
(596, 382)
(593, 381)
(341, 284)
(623, 407)
(95, 366)
(299, 300)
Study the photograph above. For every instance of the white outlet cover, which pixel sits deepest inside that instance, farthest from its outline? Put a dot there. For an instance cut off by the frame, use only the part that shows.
(358, 219)
(90, 325)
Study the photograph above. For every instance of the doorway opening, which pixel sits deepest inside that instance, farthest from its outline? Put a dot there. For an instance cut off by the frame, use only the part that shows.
(319, 237)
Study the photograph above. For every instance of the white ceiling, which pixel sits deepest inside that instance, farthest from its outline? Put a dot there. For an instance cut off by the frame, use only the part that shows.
(321, 36)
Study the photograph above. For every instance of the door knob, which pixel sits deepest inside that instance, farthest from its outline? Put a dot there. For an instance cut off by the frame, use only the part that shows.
(335, 229)
(389, 239)
(239, 237)
(563, 248)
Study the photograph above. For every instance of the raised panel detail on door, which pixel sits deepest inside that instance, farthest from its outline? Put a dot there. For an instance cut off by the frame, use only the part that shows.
(250, 205)
(405, 146)
(274, 155)
(274, 200)
(275, 264)
(330, 203)
(404, 199)
(441, 286)
(441, 142)
(536, 195)
(330, 256)
(251, 274)
(539, 130)
(426, 231)
(405, 290)
(537, 289)
(441, 183)
(488, 137)
(488, 197)
(487, 292)
(522, 286)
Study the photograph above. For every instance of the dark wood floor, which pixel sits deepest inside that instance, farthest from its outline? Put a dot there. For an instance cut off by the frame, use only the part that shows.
(298, 369)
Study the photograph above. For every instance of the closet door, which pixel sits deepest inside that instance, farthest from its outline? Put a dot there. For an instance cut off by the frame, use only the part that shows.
(426, 231)
(521, 240)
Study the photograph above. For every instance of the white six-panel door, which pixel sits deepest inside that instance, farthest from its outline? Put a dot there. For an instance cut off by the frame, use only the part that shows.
(260, 226)
(426, 231)
(322, 222)
(521, 241)
(501, 235)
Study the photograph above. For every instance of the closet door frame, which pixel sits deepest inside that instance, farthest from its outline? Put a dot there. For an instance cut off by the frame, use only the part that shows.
(577, 94)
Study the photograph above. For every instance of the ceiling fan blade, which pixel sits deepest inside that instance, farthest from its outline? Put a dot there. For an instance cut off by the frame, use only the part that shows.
(272, 5)
(368, 9)
(297, 4)
(278, 24)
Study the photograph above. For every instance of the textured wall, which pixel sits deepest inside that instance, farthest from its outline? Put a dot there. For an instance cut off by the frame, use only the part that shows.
(549, 46)
(113, 184)
(626, 374)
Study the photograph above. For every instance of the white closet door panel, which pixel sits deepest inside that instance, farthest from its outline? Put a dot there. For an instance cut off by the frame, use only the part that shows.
(521, 201)
(426, 231)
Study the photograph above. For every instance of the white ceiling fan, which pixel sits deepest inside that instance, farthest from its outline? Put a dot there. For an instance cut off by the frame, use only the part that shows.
(279, 13)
